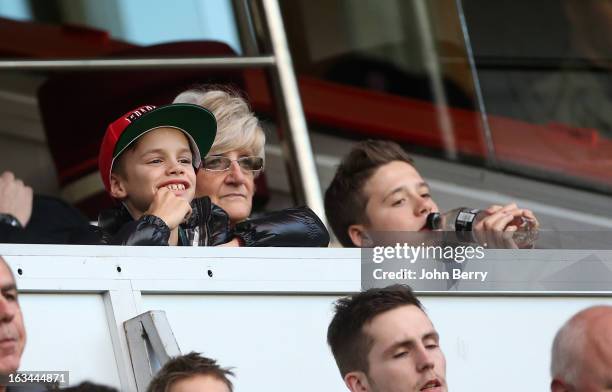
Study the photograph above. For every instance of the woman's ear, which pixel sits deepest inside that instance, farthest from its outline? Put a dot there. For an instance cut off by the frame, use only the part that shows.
(117, 187)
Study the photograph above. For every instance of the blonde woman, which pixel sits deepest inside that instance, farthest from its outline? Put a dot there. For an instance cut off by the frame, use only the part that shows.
(236, 158)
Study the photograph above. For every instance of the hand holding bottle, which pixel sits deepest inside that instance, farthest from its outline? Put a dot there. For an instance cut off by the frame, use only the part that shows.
(507, 227)
(506, 218)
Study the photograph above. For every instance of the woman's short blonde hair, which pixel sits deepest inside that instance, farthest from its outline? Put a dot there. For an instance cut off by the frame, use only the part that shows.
(237, 126)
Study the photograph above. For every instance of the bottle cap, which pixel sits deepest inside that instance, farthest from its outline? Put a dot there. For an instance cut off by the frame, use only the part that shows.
(434, 221)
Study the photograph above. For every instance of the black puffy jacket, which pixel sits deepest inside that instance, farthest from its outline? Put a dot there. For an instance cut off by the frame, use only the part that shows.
(209, 225)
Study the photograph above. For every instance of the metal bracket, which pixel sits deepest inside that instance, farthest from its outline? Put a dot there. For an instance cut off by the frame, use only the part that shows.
(151, 344)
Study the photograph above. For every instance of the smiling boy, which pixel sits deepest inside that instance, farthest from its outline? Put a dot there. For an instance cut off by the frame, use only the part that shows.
(157, 178)
(148, 162)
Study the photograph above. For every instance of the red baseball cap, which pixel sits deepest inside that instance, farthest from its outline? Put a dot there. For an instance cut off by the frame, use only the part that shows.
(197, 123)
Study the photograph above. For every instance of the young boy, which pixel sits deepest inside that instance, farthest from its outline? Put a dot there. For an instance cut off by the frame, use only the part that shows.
(148, 161)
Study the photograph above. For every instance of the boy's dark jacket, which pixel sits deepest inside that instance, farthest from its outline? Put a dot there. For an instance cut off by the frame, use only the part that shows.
(209, 225)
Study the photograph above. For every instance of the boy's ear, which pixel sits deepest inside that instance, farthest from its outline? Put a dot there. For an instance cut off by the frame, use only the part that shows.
(117, 187)
(357, 233)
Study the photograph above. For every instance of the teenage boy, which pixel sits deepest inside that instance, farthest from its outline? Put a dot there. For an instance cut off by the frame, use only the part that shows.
(148, 162)
(377, 188)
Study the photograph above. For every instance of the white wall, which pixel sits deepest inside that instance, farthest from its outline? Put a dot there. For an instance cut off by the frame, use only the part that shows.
(264, 311)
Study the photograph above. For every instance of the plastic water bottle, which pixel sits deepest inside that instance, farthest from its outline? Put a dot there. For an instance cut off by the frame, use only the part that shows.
(465, 219)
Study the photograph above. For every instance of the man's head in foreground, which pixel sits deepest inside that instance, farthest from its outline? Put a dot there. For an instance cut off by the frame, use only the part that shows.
(376, 188)
(383, 341)
(191, 373)
(582, 352)
(12, 331)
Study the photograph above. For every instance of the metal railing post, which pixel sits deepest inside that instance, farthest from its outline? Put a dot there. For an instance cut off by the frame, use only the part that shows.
(296, 141)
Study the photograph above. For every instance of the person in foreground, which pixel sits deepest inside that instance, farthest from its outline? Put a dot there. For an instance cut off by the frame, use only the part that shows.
(383, 341)
(191, 373)
(377, 188)
(12, 330)
(582, 352)
(148, 162)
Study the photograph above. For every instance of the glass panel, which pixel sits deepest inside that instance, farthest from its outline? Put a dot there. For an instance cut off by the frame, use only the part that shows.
(544, 69)
(410, 49)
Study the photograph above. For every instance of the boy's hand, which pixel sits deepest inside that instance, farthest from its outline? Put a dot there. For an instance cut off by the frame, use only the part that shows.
(170, 208)
(498, 227)
(505, 218)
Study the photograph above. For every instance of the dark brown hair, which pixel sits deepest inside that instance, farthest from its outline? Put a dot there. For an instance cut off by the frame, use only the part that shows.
(345, 336)
(345, 202)
(186, 366)
(88, 386)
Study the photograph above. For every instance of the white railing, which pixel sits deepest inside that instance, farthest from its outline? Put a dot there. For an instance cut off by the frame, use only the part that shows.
(264, 312)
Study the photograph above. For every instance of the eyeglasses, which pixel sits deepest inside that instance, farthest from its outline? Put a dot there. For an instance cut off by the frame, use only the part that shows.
(221, 163)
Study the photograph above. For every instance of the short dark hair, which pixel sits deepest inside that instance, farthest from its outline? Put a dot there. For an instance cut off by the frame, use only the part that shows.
(345, 202)
(349, 343)
(88, 386)
(186, 366)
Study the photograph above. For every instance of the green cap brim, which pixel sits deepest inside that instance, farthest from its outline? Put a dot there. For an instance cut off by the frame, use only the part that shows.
(194, 120)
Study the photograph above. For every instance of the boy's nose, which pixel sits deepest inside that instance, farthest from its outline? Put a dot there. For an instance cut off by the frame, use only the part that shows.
(176, 168)
(423, 206)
